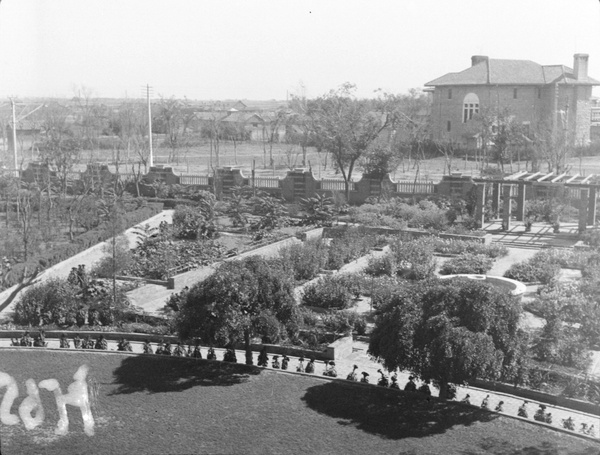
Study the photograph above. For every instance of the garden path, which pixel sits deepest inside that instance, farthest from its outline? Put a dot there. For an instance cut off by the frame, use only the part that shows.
(90, 256)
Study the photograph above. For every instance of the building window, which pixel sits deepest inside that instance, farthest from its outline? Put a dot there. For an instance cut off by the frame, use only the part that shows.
(539, 93)
(470, 107)
(449, 93)
(449, 126)
(515, 93)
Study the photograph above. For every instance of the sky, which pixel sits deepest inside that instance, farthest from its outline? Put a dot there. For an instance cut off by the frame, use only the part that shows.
(268, 49)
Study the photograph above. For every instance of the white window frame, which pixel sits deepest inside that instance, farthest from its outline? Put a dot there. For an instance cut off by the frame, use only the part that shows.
(470, 107)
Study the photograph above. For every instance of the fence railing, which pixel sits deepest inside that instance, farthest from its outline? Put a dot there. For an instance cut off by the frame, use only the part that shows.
(418, 187)
(336, 185)
(185, 179)
(266, 182)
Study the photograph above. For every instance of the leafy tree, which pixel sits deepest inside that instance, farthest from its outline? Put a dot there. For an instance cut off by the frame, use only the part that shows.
(345, 127)
(559, 342)
(449, 332)
(381, 159)
(228, 306)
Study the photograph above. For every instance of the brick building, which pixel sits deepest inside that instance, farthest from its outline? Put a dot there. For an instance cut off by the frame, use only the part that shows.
(552, 97)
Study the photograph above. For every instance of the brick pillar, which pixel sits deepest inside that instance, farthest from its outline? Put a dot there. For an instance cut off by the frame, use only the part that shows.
(496, 193)
(506, 207)
(480, 204)
(592, 206)
(521, 201)
(583, 210)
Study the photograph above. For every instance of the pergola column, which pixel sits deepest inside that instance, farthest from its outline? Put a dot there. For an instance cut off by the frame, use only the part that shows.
(480, 204)
(506, 207)
(583, 209)
(496, 196)
(521, 201)
(592, 201)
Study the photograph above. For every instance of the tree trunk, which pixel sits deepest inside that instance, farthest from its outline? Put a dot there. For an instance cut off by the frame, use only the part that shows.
(443, 390)
(248, 348)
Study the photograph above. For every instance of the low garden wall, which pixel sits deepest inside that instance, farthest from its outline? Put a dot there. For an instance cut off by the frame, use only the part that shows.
(513, 286)
(336, 350)
(336, 231)
(111, 336)
(525, 393)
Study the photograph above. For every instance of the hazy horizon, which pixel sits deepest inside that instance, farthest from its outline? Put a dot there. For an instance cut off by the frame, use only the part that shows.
(266, 49)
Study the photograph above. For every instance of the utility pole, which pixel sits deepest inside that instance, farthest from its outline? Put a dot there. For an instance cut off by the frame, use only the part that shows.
(14, 128)
(151, 157)
(14, 135)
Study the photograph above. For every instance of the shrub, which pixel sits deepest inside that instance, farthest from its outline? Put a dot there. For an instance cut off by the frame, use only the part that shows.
(268, 328)
(307, 317)
(106, 267)
(530, 273)
(330, 292)
(50, 302)
(467, 263)
(382, 265)
(345, 322)
(591, 238)
(304, 259)
(192, 223)
(414, 258)
(452, 246)
(544, 267)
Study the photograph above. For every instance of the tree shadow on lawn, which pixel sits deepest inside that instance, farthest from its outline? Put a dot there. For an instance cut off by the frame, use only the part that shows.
(389, 413)
(160, 374)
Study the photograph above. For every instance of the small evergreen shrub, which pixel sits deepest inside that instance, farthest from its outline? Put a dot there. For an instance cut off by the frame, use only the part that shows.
(331, 292)
(467, 263)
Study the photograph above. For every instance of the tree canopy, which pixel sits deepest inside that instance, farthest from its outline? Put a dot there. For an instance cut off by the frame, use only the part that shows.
(449, 332)
(234, 302)
(345, 127)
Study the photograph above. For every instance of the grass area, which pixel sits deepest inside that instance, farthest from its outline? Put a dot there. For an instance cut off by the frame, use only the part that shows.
(148, 404)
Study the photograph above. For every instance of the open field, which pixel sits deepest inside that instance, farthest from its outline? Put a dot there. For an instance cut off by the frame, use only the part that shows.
(148, 404)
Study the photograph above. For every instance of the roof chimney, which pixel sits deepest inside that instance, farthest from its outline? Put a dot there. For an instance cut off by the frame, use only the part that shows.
(476, 59)
(580, 66)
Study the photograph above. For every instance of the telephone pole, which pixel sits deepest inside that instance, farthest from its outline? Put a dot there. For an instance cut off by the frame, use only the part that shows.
(13, 105)
(14, 135)
(150, 157)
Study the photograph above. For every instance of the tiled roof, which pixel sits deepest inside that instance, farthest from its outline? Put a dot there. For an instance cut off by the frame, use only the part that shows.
(241, 117)
(511, 72)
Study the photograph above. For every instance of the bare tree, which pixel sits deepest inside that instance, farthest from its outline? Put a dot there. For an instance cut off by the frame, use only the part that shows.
(345, 127)
(24, 280)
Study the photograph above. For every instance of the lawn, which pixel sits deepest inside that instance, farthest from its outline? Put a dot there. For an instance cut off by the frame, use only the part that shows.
(163, 405)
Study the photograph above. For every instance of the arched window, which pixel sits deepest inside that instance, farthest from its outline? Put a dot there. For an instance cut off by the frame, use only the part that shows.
(470, 106)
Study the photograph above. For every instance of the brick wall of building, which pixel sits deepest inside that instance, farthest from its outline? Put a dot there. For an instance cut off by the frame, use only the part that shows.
(528, 106)
(534, 105)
